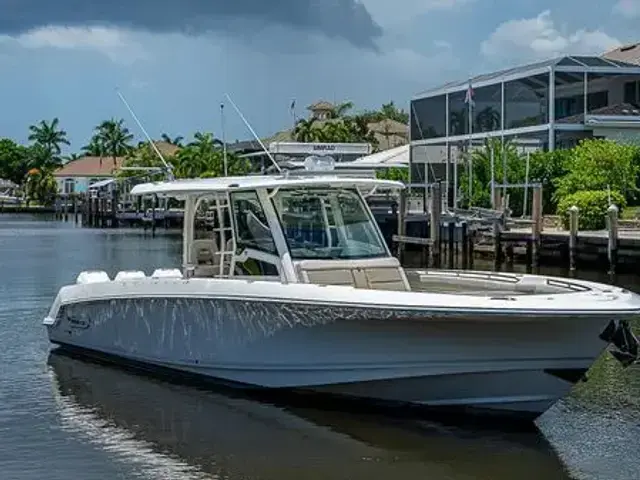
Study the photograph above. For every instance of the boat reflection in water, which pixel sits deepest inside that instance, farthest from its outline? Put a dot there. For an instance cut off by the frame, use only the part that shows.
(170, 430)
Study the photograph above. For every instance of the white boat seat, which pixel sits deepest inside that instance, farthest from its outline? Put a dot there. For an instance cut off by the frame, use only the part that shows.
(205, 258)
(202, 255)
(375, 274)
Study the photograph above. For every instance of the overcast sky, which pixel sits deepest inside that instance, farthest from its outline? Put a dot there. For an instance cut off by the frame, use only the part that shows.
(174, 60)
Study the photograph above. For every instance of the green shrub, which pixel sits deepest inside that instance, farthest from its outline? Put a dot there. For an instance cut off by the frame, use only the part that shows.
(394, 173)
(596, 164)
(592, 208)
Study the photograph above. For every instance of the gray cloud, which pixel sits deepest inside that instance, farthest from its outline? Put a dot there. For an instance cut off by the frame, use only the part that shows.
(347, 19)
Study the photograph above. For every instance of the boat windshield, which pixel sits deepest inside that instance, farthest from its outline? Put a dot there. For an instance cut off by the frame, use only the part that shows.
(327, 224)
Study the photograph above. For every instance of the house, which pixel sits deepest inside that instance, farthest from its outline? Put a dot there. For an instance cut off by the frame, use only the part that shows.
(388, 133)
(545, 105)
(629, 53)
(78, 175)
(321, 110)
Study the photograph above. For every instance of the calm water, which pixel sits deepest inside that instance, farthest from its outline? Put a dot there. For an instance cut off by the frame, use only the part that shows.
(62, 418)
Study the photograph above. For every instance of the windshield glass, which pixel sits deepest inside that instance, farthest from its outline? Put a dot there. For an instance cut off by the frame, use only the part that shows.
(327, 224)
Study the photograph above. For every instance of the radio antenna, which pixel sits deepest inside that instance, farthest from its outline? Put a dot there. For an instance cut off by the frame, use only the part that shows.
(235, 107)
(224, 141)
(167, 165)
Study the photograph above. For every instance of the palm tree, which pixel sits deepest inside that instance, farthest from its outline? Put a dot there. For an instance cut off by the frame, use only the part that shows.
(458, 122)
(306, 130)
(359, 127)
(177, 141)
(94, 148)
(112, 138)
(205, 140)
(71, 157)
(335, 132)
(50, 137)
(390, 111)
(487, 120)
(341, 109)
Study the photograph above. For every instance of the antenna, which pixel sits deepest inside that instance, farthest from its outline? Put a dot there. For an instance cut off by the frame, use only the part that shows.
(153, 145)
(235, 107)
(224, 141)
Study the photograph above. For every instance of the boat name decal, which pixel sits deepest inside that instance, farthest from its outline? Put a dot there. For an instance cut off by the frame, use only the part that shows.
(77, 322)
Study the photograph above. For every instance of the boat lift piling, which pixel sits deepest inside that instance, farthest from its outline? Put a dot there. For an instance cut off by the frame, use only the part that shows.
(447, 240)
(435, 224)
(573, 236)
(612, 237)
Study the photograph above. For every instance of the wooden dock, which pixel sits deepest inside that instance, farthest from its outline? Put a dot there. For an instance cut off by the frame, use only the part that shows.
(626, 238)
(535, 239)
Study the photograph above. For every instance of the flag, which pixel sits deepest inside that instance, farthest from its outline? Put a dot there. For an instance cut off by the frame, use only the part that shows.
(293, 105)
(468, 98)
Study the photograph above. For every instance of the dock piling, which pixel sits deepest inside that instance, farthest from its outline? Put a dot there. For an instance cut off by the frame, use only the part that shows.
(573, 236)
(451, 241)
(154, 205)
(612, 244)
(464, 245)
(536, 217)
(435, 222)
(402, 208)
(497, 244)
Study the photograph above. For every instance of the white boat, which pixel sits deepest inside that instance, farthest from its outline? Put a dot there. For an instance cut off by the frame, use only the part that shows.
(295, 288)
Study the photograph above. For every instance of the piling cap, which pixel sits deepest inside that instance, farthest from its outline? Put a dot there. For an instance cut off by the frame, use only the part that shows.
(574, 208)
(612, 208)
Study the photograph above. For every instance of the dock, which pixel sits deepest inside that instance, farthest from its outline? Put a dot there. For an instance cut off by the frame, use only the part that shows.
(532, 240)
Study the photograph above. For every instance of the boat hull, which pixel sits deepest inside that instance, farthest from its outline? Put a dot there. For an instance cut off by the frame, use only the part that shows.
(507, 366)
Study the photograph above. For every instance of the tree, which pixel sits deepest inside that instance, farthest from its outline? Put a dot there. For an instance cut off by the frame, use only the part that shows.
(359, 131)
(41, 186)
(341, 110)
(458, 121)
(71, 157)
(305, 130)
(205, 140)
(592, 207)
(14, 161)
(394, 173)
(94, 148)
(177, 141)
(598, 164)
(487, 120)
(547, 168)
(203, 157)
(481, 174)
(50, 137)
(390, 111)
(111, 138)
(141, 159)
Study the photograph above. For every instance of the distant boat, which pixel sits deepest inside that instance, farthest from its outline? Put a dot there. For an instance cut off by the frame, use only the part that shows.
(7, 189)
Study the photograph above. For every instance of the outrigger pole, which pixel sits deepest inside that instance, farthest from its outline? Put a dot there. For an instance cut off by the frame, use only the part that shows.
(167, 165)
(235, 107)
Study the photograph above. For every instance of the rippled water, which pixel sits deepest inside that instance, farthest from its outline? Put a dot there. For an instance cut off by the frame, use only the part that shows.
(64, 418)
